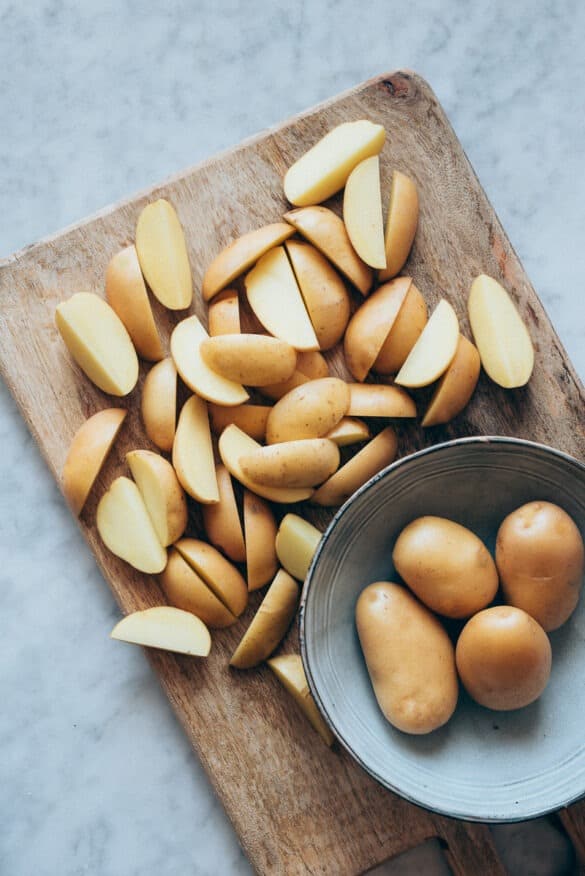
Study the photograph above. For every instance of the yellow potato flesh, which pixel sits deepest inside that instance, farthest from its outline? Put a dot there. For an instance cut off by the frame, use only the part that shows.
(456, 386)
(349, 430)
(502, 338)
(324, 169)
(222, 521)
(187, 590)
(406, 330)
(158, 404)
(251, 419)
(224, 314)
(260, 529)
(127, 295)
(302, 463)
(222, 578)
(362, 212)
(376, 455)
(87, 453)
(309, 411)
(288, 668)
(98, 341)
(126, 529)
(378, 400)
(162, 253)
(193, 452)
(256, 360)
(296, 543)
(401, 224)
(269, 624)
(434, 350)
(162, 494)
(165, 627)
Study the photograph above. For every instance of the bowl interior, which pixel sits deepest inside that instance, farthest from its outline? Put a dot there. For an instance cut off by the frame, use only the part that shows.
(484, 765)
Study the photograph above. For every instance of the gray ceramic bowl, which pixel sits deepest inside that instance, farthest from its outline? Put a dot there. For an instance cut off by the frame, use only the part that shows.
(483, 765)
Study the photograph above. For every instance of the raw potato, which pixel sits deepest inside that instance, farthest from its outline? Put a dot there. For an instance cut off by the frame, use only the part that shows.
(222, 578)
(371, 324)
(98, 341)
(162, 494)
(240, 255)
(165, 627)
(158, 405)
(434, 351)
(375, 400)
(456, 386)
(162, 253)
(311, 365)
(276, 391)
(224, 314)
(405, 332)
(309, 411)
(256, 360)
(296, 543)
(275, 298)
(251, 419)
(269, 624)
(376, 455)
(409, 657)
(288, 668)
(446, 565)
(503, 658)
(126, 528)
(185, 589)
(193, 452)
(127, 295)
(541, 561)
(401, 223)
(325, 230)
(349, 430)
(222, 521)
(502, 339)
(362, 212)
(233, 444)
(324, 293)
(260, 529)
(324, 169)
(303, 463)
(87, 453)
(186, 341)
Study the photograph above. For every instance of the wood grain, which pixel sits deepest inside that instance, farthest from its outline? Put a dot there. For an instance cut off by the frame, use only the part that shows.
(297, 807)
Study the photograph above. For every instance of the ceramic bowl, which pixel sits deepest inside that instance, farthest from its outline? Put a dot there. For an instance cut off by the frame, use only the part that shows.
(482, 765)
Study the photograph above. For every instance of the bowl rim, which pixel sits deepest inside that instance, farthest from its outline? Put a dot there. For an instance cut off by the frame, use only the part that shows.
(399, 463)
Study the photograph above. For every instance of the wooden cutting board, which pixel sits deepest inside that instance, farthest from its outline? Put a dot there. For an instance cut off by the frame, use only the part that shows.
(298, 808)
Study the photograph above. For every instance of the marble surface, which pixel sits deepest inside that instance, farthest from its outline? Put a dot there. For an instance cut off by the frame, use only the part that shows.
(98, 100)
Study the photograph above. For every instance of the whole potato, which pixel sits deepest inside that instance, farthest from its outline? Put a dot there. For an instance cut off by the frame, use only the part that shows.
(446, 565)
(541, 560)
(409, 656)
(503, 658)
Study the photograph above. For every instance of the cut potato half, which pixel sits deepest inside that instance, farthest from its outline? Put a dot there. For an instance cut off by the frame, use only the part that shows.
(260, 528)
(256, 360)
(404, 333)
(288, 668)
(251, 419)
(401, 223)
(362, 212)
(162, 253)
(158, 405)
(222, 578)
(185, 589)
(456, 386)
(162, 493)
(165, 627)
(309, 411)
(126, 529)
(224, 314)
(375, 400)
(193, 452)
(222, 521)
(376, 455)
(349, 430)
(371, 324)
(296, 543)
(127, 295)
(269, 624)
(304, 463)
(87, 453)
(434, 350)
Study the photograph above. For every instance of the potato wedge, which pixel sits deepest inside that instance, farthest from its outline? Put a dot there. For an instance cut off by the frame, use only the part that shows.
(127, 296)
(325, 230)
(456, 386)
(288, 668)
(165, 627)
(224, 314)
(185, 589)
(404, 333)
(296, 543)
(362, 212)
(434, 351)
(193, 452)
(502, 338)
(99, 342)
(240, 255)
(251, 419)
(158, 405)
(309, 411)
(349, 430)
(376, 455)
(87, 453)
(311, 365)
(256, 360)
(401, 223)
(324, 169)
(275, 298)
(222, 521)
(186, 341)
(269, 624)
(375, 400)
(324, 293)
(275, 391)
(260, 528)
(233, 444)
(304, 463)
(126, 529)
(162, 253)
(162, 494)
(371, 324)
(222, 578)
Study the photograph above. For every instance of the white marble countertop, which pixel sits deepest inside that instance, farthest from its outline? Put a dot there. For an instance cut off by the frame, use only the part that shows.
(98, 100)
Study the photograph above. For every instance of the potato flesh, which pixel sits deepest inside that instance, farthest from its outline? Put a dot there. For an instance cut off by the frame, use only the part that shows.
(456, 386)
(193, 452)
(303, 463)
(379, 400)
(126, 529)
(401, 224)
(185, 589)
(309, 411)
(186, 341)
(376, 455)
(222, 578)
(162, 494)
(371, 324)
(255, 360)
(362, 212)
(158, 404)
(260, 529)
(324, 169)
(165, 627)
(288, 668)
(434, 350)
(349, 430)
(162, 253)
(127, 295)
(87, 453)
(222, 521)
(296, 543)
(269, 624)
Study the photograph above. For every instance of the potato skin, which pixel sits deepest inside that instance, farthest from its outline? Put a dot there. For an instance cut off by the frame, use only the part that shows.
(446, 565)
(503, 658)
(309, 411)
(409, 656)
(541, 561)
